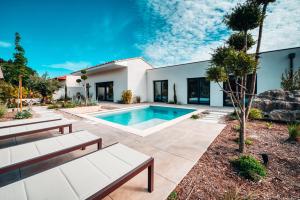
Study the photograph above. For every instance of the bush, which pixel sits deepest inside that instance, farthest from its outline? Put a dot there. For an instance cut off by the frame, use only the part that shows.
(3, 110)
(173, 196)
(294, 131)
(53, 106)
(127, 96)
(23, 115)
(249, 167)
(237, 128)
(68, 105)
(255, 113)
(233, 116)
(138, 99)
(195, 116)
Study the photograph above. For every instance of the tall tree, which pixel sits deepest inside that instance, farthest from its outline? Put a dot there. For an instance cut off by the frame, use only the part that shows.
(83, 79)
(233, 63)
(263, 4)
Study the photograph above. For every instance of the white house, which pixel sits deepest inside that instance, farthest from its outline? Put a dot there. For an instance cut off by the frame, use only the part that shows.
(107, 81)
(69, 87)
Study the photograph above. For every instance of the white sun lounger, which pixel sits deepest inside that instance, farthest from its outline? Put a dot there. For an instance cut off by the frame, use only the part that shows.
(34, 128)
(21, 122)
(15, 157)
(93, 176)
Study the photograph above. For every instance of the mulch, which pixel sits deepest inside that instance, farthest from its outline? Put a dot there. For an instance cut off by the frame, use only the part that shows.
(213, 174)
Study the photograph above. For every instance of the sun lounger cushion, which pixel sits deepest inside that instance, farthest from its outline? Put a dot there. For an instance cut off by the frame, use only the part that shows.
(27, 121)
(77, 179)
(19, 153)
(32, 127)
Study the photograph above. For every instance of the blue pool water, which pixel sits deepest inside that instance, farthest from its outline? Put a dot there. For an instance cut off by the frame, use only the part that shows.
(147, 117)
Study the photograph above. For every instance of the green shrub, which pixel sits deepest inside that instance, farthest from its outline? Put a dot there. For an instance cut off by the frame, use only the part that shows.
(249, 167)
(23, 115)
(237, 128)
(53, 106)
(138, 99)
(68, 105)
(173, 196)
(294, 131)
(126, 96)
(269, 125)
(255, 113)
(3, 110)
(195, 116)
(233, 116)
(248, 141)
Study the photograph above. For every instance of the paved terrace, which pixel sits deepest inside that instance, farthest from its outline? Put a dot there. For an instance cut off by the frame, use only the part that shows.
(175, 150)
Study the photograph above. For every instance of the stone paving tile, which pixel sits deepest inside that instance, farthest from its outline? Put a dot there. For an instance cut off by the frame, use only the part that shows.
(175, 150)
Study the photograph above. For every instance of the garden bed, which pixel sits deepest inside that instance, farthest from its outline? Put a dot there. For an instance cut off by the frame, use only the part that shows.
(213, 175)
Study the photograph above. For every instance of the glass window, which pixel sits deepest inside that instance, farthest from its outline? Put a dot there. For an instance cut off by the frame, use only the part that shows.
(160, 91)
(198, 91)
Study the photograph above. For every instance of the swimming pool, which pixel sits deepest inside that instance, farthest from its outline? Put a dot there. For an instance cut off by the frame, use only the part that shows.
(145, 119)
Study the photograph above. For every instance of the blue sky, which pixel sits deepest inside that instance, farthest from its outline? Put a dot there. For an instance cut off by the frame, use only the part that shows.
(61, 36)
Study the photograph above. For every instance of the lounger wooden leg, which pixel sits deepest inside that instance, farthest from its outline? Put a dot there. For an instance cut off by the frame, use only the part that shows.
(100, 145)
(151, 177)
(83, 148)
(61, 130)
(70, 129)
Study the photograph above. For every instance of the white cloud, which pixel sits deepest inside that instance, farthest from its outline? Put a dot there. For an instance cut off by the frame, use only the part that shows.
(194, 28)
(5, 44)
(73, 66)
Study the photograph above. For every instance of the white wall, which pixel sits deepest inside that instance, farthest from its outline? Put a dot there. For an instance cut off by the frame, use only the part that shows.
(272, 65)
(137, 77)
(117, 76)
(179, 75)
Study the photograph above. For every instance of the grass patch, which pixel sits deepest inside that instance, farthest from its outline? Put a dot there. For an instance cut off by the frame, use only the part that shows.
(294, 131)
(255, 114)
(25, 114)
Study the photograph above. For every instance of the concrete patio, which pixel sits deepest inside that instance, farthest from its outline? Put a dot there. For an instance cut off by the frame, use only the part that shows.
(175, 150)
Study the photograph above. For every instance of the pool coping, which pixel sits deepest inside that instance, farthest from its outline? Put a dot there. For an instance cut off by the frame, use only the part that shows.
(142, 133)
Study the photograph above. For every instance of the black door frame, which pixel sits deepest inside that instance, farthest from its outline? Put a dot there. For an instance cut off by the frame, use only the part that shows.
(105, 85)
(198, 91)
(161, 88)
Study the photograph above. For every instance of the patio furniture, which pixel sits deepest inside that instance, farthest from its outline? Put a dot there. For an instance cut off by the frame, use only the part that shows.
(22, 122)
(11, 132)
(19, 156)
(92, 176)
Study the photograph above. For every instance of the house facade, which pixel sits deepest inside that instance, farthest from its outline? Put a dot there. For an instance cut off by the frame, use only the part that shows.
(107, 81)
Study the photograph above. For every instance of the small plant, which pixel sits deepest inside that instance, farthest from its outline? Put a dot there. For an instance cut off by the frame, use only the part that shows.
(195, 116)
(294, 131)
(68, 105)
(249, 167)
(255, 113)
(3, 110)
(53, 106)
(127, 96)
(138, 99)
(269, 125)
(248, 141)
(173, 196)
(175, 95)
(25, 114)
(233, 116)
(234, 194)
(237, 128)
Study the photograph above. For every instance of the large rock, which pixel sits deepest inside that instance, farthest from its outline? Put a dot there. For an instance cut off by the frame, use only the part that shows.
(279, 105)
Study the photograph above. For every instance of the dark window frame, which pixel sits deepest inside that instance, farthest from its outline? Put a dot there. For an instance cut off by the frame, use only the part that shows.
(105, 84)
(161, 88)
(198, 91)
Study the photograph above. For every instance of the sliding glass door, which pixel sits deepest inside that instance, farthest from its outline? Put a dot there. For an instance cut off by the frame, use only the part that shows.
(160, 91)
(198, 91)
(105, 91)
(226, 97)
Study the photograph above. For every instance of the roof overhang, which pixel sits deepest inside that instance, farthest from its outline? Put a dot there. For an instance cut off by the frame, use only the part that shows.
(101, 68)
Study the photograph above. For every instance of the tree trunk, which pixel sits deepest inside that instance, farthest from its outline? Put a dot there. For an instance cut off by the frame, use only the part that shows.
(253, 83)
(243, 118)
(85, 96)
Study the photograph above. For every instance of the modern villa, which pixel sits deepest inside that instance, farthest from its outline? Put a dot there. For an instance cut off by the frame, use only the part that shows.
(107, 81)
